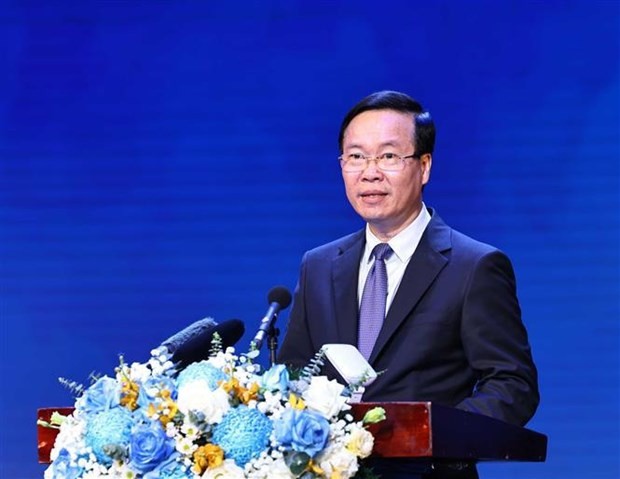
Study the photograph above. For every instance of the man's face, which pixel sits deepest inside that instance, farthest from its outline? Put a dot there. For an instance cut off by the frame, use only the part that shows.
(388, 200)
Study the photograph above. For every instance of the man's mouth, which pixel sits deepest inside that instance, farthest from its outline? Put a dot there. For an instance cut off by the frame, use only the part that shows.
(371, 197)
(373, 194)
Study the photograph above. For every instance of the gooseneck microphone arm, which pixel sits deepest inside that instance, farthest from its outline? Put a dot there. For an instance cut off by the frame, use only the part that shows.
(279, 298)
(272, 342)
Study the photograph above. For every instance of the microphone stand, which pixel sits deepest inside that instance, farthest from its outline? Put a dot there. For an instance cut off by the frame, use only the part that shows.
(272, 341)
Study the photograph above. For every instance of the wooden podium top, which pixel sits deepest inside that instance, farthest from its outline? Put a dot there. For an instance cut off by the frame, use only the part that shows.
(428, 430)
(413, 430)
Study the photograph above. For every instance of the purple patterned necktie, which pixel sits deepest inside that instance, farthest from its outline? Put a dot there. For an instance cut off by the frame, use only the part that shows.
(372, 308)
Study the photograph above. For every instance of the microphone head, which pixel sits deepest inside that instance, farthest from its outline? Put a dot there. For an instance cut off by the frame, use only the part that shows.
(193, 343)
(280, 295)
(189, 333)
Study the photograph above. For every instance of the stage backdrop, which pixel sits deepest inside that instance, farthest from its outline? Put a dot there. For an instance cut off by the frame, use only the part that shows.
(165, 161)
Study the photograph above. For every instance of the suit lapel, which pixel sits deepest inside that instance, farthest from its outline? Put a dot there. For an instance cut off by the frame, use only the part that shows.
(425, 265)
(345, 270)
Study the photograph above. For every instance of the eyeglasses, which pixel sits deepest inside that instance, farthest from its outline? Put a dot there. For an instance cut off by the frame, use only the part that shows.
(356, 162)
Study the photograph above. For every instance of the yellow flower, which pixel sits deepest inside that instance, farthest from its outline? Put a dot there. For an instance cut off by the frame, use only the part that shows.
(166, 410)
(296, 402)
(244, 395)
(207, 456)
(229, 385)
(314, 467)
(129, 394)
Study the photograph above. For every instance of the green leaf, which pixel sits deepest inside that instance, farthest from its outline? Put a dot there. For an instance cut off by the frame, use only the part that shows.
(297, 462)
(57, 419)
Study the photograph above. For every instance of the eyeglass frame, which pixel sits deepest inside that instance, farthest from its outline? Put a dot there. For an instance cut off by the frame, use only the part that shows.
(377, 159)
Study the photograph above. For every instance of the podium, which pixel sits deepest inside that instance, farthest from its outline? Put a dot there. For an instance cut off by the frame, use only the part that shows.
(421, 430)
(426, 430)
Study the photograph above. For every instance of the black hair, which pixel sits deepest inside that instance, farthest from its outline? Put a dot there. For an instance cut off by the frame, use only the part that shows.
(424, 140)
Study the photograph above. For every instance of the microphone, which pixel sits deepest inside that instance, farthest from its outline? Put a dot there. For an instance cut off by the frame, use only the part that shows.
(192, 343)
(279, 298)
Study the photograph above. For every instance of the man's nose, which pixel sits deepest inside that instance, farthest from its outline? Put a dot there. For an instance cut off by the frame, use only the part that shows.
(372, 170)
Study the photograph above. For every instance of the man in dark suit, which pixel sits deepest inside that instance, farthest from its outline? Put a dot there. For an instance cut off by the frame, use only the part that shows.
(451, 327)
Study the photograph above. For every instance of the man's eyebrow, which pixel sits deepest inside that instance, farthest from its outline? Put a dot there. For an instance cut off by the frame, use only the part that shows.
(382, 145)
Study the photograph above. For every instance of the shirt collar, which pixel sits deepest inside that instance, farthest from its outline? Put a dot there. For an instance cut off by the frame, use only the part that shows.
(404, 243)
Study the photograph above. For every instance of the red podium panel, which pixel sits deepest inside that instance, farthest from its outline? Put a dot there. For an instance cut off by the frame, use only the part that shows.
(413, 430)
(427, 430)
(47, 435)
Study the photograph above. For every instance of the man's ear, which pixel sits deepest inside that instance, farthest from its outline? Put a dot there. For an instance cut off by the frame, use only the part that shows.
(426, 162)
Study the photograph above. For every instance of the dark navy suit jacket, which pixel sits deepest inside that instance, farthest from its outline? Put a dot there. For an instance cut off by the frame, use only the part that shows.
(452, 335)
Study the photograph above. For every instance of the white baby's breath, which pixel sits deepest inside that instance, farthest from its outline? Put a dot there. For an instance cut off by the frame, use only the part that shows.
(228, 470)
(139, 372)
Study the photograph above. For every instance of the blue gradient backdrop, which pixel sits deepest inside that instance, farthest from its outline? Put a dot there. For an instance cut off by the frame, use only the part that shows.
(164, 161)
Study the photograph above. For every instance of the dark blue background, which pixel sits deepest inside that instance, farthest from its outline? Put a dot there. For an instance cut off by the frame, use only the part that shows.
(164, 161)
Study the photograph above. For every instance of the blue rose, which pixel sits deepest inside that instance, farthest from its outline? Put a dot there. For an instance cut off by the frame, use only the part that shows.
(152, 387)
(171, 468)
(101, 396)
(149, 446)
(276, 378)
(302, 431)
(62, 468)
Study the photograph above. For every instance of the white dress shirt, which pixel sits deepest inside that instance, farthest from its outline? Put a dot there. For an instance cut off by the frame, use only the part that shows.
(403, 244)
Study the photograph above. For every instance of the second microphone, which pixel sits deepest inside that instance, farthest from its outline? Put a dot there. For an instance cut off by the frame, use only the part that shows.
(279, 298)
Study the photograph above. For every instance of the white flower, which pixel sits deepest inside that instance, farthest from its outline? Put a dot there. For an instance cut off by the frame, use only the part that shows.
(325, 396)
(271, 403)
(185, 446)
(49, 473)
(196, 396)
(224, 360)
(70, 437)
(227, 470)
(277, 470)
(189, 429)
(360, 442)
(97, 474)
(171, 430)
(139, 372)
(122, 471)
(220, 361)
(338, 462)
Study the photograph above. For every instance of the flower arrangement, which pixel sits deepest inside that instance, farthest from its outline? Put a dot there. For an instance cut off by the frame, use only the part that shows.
(218, 418)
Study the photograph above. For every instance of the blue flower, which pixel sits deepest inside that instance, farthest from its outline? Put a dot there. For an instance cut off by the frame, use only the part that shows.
(302, 431)
(276, 378)
(152, 387)
(108, 428)
(201, 371)
(101, 396)
(63, 469)
(149, 446)
(171, 468)
(243, 434)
